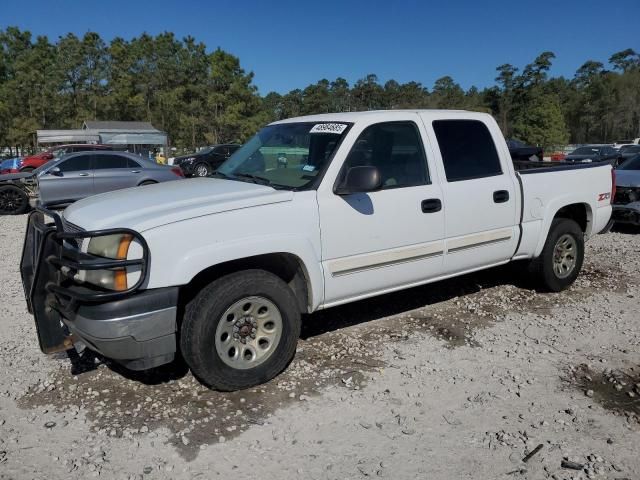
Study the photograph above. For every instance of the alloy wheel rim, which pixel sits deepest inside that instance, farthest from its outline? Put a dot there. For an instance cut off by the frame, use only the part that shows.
(248, 332)
(10, 201)
(202, 171)
(565, 256)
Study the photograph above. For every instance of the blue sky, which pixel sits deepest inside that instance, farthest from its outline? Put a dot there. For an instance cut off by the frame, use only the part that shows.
(290, 44)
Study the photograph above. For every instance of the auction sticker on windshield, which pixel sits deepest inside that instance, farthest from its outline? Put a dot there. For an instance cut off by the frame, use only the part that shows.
(336, 128)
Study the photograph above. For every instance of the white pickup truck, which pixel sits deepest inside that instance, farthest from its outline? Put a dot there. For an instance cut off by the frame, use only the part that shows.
(310, 213)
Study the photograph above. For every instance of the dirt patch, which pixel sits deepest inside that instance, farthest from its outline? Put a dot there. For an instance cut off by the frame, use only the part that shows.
(616, 390)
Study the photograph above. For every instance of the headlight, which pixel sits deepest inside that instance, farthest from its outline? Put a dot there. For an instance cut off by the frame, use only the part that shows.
(115, 247)
(189, 160)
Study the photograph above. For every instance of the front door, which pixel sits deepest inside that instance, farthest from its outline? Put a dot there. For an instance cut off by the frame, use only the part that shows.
(388, 239)
(68, 181)
(480, 193)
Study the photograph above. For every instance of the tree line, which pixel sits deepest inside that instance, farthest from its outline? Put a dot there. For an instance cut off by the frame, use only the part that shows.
(203, 97)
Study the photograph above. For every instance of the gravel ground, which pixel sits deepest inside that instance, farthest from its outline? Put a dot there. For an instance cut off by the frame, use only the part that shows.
(460, 379)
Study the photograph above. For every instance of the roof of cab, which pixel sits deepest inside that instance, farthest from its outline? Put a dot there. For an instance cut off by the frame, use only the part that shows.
(357, 116)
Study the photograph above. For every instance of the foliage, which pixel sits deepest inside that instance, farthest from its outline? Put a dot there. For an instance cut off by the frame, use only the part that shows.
(202, 97)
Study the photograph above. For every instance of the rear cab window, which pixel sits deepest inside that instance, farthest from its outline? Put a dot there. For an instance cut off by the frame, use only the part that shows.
(468, 150)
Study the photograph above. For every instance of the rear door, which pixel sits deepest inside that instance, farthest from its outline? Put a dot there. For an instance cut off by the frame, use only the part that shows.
(113, 172)
(480, 194)
(73, 182)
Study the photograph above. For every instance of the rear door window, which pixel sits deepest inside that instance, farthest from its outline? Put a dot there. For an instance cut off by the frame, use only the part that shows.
(467, 149)
(103, 162)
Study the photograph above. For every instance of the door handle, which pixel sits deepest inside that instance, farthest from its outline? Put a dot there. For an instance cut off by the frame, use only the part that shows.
(135, 171)
(431, 205)
(501, 196)
(83, 174)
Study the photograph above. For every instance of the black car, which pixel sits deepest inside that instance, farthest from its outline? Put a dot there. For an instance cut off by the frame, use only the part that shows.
(594, 153)
(522, 152)
(628, 151)
(206, 161)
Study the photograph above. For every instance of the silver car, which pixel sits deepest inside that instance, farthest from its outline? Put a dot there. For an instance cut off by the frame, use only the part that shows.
(626, 203)
(82, 174)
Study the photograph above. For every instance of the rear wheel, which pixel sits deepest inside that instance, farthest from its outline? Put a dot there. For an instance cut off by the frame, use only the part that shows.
(240, 330)
(13, 201)
(561, 259)
(202, 170)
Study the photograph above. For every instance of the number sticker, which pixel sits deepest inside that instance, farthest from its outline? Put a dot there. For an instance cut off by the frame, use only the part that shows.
(336, 128)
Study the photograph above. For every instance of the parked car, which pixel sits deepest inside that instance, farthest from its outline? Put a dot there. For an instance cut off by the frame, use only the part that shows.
(206, 161)
(628, 151)
(32, 162)
(520, 151)
(78, 175)
(366, 203)
(621, 143)
(17, 192)
(11, 165)
(83, 174)
(626, 203)
(593, 153)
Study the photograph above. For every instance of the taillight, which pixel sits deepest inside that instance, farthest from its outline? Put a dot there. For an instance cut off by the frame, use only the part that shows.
(613, 184)
(177, 171)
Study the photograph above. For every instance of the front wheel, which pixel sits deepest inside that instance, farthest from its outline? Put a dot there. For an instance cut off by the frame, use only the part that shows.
(561, 259)
(13, 201)
(202, 170)
(240, 330)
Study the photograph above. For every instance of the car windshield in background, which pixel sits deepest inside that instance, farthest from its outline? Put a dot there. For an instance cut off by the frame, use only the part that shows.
(287, 155)
(630, 149)
(632, 164)
(585, 151)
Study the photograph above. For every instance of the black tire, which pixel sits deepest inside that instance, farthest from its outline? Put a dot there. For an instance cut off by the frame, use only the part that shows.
(200, 169)
(13, 201)
(204, 313)
(147, 182)
(543, 266)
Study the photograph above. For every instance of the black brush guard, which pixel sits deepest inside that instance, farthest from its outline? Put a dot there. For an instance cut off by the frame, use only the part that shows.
(48, 266)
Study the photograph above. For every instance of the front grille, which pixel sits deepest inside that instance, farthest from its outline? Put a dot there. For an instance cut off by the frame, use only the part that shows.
(70, 227)
(625, 195)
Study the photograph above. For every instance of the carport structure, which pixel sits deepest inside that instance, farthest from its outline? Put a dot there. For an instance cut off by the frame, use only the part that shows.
(135, 137)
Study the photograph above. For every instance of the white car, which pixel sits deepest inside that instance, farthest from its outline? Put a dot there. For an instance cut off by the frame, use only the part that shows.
(311, 213)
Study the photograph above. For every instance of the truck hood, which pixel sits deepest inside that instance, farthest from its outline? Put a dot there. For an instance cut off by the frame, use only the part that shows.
(150, 206)
(628, 178)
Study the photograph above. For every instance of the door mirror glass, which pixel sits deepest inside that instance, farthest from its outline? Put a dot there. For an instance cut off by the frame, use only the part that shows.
(56, 171)
(361, 179)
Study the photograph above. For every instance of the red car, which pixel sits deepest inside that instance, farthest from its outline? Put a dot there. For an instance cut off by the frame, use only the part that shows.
(34, 161)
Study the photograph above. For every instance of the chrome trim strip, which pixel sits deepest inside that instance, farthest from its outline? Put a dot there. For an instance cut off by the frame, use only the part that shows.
(479, 244)
(373, 266)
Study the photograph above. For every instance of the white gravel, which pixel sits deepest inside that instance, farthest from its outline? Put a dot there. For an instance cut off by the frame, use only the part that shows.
(459, 379)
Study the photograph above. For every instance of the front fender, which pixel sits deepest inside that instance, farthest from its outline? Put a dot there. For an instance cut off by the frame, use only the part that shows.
(186, 264)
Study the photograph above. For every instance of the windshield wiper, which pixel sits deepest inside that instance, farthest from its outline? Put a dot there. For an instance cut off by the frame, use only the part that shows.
(222, 175)
(255, 178)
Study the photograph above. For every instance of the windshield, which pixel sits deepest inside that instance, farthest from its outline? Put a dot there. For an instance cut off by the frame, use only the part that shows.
(632, 164)
(287, 155)
(585, 151)
(204, 151)
(46, 166)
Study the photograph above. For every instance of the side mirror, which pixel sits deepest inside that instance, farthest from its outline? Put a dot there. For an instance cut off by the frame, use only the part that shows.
(56, 171)
(360, 180)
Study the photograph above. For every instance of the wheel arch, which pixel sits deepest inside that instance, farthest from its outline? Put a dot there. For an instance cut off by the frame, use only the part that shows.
(287, 266)
(580, 212)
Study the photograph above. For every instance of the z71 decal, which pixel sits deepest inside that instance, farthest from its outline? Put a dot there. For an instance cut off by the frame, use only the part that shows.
(604, 196)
